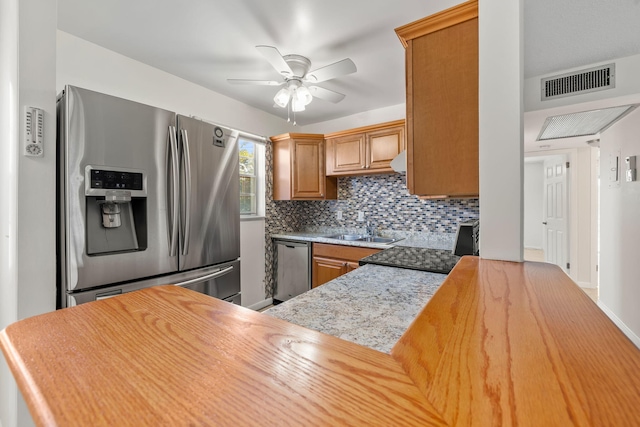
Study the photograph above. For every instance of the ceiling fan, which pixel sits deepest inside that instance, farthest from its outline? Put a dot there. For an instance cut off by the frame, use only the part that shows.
(298, 81)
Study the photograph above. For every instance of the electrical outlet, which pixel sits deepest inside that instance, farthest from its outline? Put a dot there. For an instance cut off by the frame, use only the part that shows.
(338, 215)
(360, 216)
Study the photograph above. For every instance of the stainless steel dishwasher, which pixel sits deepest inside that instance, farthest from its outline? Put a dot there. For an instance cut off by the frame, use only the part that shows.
(293, 271)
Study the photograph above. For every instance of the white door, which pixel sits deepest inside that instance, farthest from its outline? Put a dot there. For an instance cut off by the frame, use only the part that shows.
(555, 217)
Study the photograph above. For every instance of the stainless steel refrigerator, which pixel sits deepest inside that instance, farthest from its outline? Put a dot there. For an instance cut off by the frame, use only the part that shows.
(145, 197)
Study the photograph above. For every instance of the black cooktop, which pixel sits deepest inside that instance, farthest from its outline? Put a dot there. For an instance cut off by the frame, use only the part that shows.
(425, 259)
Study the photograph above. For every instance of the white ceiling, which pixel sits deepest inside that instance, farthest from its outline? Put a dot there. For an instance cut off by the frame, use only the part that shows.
(209, 41)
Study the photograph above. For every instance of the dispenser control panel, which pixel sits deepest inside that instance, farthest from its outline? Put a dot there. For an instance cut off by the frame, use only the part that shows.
(116, 180)
(100, 180)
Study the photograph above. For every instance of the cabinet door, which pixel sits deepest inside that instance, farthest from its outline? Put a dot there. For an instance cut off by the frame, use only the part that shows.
(308, 169)
(442, 112)
(327, 269)
(348, 154)
(382, 147)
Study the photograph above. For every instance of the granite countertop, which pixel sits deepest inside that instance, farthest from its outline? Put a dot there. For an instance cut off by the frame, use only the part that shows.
(371, 306)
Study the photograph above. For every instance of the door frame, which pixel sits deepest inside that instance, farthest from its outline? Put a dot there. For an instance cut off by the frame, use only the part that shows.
(572, 176)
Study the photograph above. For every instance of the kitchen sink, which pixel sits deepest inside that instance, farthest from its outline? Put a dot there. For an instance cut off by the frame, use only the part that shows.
(376, 239)
(362, 238)
(350, 237)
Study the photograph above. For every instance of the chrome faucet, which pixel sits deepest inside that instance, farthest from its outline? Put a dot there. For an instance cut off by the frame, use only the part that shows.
(371, 229)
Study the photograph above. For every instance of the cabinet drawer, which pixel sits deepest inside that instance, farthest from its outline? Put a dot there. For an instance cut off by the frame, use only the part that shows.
(348, 253)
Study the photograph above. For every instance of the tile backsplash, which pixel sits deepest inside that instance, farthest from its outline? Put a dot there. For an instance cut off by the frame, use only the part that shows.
(383, 199)
(386, 203)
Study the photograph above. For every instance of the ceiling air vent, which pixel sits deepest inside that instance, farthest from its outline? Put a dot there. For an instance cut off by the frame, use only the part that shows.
(579, 82)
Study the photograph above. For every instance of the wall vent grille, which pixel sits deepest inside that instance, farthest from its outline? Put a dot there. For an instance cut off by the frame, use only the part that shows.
(579, 82)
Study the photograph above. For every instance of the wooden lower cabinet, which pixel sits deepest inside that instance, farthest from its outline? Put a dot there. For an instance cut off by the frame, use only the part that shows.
(332, 261)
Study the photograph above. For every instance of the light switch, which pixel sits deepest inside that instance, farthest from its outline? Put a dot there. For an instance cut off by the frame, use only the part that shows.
(630, 174)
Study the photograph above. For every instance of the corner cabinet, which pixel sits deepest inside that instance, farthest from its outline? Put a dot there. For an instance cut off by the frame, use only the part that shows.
(366, 150)
(299, 168)
(332, 261)
(442, 103)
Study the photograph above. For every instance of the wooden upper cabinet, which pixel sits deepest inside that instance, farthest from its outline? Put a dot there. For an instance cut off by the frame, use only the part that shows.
(442, 102)
(299, 168)
(347, 154)
(366, 150)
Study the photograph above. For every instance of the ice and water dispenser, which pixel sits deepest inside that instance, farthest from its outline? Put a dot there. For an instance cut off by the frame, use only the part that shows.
(116, 209)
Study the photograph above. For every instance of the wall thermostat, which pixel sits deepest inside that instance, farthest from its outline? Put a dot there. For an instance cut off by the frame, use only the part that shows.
(218, 137)
(34, 132)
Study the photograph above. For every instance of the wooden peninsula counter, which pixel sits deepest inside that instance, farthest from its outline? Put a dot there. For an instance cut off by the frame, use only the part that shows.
(499, 343)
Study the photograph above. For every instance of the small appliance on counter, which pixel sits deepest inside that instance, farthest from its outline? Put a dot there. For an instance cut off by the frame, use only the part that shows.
(467, 238)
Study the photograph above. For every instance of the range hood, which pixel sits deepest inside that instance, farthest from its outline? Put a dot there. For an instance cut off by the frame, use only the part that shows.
(399, 163)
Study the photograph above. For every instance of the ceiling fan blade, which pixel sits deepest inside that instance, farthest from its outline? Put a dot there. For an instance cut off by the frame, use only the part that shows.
(326, 94)
(254, 82)
(331, 71)
(276, 60)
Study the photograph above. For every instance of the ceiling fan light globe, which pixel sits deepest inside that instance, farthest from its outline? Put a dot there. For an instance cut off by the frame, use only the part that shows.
(303, 95)
(282, 97)
(296, 106)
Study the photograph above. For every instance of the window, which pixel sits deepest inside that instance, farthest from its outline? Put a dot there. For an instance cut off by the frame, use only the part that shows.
(251, 177)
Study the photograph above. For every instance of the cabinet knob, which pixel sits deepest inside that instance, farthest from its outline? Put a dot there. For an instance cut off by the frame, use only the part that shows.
(363, 166)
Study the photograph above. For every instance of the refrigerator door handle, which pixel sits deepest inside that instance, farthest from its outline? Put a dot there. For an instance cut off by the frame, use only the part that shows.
(175, 196)
(186, 160)
(206, 277)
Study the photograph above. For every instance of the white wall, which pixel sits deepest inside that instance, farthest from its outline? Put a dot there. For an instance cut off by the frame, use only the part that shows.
(28, 194)
(501, 129)
(252, 263)
(366, 118)
(620, 229)
(533, 193)
(8, 194)
(585, 270)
